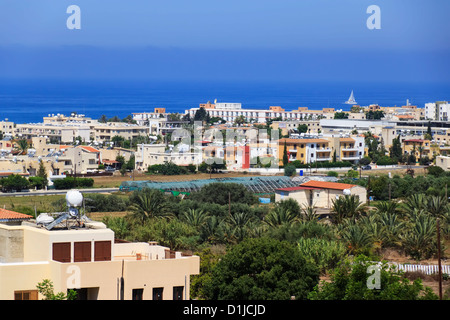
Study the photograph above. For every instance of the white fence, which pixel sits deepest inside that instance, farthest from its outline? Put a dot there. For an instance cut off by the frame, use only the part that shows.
(427, 269)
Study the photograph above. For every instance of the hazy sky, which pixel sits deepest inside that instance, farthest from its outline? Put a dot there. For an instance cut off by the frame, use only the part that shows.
(241, 39)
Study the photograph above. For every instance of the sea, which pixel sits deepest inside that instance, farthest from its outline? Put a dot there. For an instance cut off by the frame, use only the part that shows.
(28, 100)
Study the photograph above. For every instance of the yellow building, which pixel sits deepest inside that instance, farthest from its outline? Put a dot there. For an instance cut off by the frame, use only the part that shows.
(305, 150)
(89, 260)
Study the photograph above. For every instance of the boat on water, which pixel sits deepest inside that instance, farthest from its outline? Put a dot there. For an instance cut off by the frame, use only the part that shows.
(351, 99)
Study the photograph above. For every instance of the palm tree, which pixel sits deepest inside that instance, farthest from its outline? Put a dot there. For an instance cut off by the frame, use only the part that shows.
(212, 229)
(375, 230)
(309, 213)
(280, 216)
(195, 217)
(347, 206)
(419, 240)
(437, 206)
(356, 238)
(148, 203)
(415, 201)
(22, 145)
(237, 226)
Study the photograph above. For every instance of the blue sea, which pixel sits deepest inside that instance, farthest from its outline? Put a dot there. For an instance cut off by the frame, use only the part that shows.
(25, 101)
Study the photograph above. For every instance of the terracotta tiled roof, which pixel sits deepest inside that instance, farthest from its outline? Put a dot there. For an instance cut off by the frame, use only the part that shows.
(289, 189)
(327, 185)
(11, 215)
(89, 149)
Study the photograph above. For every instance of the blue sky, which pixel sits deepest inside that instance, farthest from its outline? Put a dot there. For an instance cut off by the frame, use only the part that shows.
(245, 39)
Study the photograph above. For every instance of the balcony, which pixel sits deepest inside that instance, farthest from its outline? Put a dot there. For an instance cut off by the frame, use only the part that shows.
(323, 158)
(350, 158)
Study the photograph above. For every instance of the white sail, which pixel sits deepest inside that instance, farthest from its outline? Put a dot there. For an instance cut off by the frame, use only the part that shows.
(351, 99)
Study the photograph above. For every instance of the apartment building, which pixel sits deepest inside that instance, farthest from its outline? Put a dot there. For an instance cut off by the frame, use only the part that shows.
(291, 127)
(349, 149)
(305, 150)
(439, 110)
(88, 259)
(230, 111)
(7, 128)
(158, 122)
(64, 132)
(151, 154)
(104, 132)
(80, 159)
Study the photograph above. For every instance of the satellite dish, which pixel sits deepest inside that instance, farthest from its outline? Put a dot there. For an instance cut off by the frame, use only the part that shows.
(74, 198)
(347, 192)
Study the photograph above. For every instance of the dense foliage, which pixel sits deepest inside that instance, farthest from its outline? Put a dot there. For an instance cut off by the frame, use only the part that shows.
(261, 269)
(208, 219)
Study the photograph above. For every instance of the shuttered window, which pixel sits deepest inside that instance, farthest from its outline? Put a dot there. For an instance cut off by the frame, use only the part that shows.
(82, 251)
(61, 251)
(26, 295)
(102, 251)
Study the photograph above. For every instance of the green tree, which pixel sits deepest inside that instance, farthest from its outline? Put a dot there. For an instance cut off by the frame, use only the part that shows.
(285, 155)
(340, 115)
(350, 281)
(395, 150)
(14, 182)
(221, 193)
(261, 269)
(289, 170)
(148, 203)
(46, 289)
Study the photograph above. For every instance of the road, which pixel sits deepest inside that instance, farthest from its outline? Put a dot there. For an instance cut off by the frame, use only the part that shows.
(53, 192)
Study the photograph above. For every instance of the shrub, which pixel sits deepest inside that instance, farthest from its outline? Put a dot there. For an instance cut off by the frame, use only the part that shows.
(289, 170)
(71, 182)
(332, 174)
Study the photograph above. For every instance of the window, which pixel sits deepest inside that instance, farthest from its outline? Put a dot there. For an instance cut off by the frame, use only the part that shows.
(137, 294)
(82, 251)
(158, 293)
(61, 251)
(102, 251)
(26, 295)
(178, 293)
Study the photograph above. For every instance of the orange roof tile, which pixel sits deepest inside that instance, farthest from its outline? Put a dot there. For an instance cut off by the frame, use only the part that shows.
(327, 185)
(89, 149)
(347, 140)
(11, 215)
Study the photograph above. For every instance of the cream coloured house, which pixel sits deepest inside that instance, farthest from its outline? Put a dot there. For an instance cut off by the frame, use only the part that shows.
(89, 260)
(319, 194)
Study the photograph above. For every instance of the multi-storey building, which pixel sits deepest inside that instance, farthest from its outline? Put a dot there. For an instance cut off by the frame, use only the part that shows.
(439, 110)
(305, 150)
(230, 111)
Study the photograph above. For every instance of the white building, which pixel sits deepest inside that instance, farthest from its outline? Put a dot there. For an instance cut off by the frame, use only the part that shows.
(230, 111)
(439, 110)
